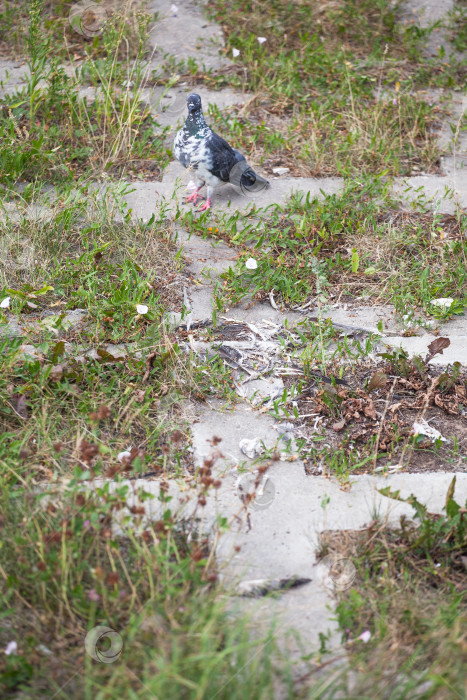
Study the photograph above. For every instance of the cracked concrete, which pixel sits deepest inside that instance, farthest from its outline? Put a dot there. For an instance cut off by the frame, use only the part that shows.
(58, 322)
(426, 13)
(282, 538)
(186, 34)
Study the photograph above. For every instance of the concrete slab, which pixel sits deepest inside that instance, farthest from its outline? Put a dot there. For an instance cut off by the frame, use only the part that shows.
(202, 307)
(12, 76)
(205, 256)
(148, 197)
(169, 106)
(456, 352)
(228, 198)
(456, 326)
(365, 317)
(18, 211)
(425, 13)
(186, 34)
(22, 326)
(444, 194)
(429, 192)
(452, 138)
(279, 539)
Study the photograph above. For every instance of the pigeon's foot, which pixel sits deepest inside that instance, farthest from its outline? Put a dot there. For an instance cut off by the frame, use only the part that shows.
(206, 205)
(193, 197)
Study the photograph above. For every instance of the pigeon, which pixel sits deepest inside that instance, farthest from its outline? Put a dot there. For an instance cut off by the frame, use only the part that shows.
(211, 158)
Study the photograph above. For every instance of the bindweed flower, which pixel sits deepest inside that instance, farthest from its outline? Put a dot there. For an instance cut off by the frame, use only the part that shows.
(11, 648)
(5, 303)
(94, 596)
(174, 10)
(235, 53)
(123, 455)
(261, 39)
(394, 102)
(142, 309)
(251, 264)
(365, 636)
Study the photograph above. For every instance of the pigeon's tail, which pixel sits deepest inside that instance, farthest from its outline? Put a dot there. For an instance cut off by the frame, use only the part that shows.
(245, 177)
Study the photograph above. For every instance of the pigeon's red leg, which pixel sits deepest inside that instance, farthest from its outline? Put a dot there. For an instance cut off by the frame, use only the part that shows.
(206, 205)
(193, 197)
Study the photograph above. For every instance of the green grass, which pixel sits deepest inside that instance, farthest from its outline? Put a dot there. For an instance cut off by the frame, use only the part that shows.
(408, 594)
(332, 87)
(49, 130)
(78, 259)
(128, 19)
(63, 572)
(457, 23)
(333, 100)
(356, 245)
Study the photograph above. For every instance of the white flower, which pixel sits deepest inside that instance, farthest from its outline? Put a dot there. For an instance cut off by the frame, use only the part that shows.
(123, 455)
(191, 185)
(445, 302)
(365, 636)
(5, 303)
(235, 53)
(142, 309)
(261, 39)
(173, 9)
(251, 264)
(11, 648)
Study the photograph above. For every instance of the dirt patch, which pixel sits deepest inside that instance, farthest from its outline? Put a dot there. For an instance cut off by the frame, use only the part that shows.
(377, 420)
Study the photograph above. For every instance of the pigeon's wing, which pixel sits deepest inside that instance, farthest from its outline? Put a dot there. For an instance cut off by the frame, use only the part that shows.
(245, 177)
(223, 157)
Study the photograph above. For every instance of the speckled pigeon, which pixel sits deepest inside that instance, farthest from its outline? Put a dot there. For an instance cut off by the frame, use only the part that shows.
(211, 158)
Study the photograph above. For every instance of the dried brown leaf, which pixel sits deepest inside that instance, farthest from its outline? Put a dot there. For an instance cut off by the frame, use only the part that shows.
(149, 360)
(21, 407)
(378, 381)
(369, 410)
(436, 347)
(339, 426)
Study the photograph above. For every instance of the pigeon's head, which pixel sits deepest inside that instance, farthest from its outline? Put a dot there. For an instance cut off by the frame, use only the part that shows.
(194, 103)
